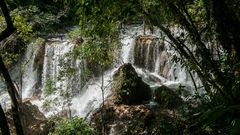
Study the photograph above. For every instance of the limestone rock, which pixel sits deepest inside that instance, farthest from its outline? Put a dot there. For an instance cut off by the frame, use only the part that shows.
(128, 87)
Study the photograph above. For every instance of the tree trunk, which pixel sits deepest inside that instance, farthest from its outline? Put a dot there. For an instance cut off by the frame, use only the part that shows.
(7, 79)
(3, 124)
(12, 93)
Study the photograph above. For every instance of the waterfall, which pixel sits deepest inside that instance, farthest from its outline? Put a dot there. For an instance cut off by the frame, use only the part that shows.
(54, 53)
(151, 56)
(29, 77)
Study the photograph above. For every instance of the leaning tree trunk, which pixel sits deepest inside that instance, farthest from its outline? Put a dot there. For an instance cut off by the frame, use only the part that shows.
(12, 93)
(3, 124)
(7, 79)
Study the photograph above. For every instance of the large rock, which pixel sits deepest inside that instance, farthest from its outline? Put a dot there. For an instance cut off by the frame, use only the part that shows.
(166, 97)
(122, 119)
(128, 87)
(34, 122)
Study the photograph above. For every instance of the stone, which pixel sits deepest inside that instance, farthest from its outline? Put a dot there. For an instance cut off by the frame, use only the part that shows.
(34, 122)
(122, 119)
(166, 97)
(39, 56)
(128, 87)
(164, 65)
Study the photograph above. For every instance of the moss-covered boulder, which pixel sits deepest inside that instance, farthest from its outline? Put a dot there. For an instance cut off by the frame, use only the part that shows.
(128, 87)
(166, 97)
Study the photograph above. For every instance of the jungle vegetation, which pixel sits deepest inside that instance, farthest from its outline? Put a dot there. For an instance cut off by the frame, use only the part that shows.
(212, 27)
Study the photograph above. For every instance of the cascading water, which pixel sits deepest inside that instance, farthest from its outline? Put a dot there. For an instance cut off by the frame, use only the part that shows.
(29, 77)
(55, 52)
(151, 59)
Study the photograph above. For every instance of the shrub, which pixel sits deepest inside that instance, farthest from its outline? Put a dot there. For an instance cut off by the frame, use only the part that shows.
(74, 126)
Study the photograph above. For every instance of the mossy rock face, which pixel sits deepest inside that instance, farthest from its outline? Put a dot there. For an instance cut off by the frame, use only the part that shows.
(166, 97)
(128, 87)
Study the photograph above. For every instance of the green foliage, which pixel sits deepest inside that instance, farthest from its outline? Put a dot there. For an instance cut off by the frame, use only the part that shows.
(28, 20)
(36, 18)
(166, 125)
(49, 92)
(218, 119)
(49, 89)
(75, 33)
(96, 52)
(9, 58)
(2, 23)
(24, 30)
(46, 104)
(74, 126)
(39, 41)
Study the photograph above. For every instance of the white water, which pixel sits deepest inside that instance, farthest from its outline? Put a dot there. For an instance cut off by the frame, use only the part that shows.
(29, 74)
(89, 98)
(55, 52)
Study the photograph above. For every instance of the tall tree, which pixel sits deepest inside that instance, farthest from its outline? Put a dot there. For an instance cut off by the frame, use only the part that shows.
(7, 79)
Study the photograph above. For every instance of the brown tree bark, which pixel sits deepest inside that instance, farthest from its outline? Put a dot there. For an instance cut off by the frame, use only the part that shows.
(3, 124)
(7, 79)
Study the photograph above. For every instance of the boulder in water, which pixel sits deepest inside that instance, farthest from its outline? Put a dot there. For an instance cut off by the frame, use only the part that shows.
(166, 97)
(128, 87)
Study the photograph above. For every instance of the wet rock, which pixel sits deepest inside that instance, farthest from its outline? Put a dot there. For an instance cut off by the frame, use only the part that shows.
(166, 97)
(164, 65)
(146, 51)
(122, 119)
(33, 121)
(128, 87)
(39, 56)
